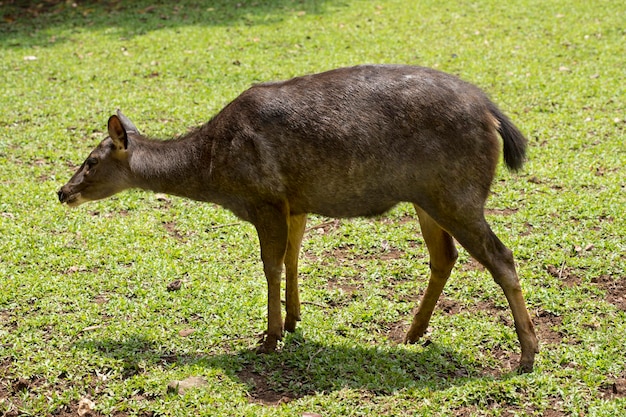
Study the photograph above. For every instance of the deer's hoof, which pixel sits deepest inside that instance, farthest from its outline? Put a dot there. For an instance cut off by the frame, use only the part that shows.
(290, 323)
(525, 367)
(267, 345)
(412, 337)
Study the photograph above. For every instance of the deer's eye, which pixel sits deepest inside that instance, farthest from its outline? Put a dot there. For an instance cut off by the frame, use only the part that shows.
(91, 162)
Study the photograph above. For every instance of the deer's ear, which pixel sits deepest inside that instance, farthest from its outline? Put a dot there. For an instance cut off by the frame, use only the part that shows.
(117, 133)
(128, 125)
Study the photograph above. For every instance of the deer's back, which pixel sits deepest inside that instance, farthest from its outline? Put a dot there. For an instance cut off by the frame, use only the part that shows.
(355, 141)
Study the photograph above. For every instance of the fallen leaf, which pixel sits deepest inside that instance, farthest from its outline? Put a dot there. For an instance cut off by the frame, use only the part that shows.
(85, 407)
(186, 332)
(90, 328)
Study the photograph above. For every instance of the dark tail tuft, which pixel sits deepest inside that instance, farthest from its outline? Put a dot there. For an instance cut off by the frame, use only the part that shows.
(514, 142)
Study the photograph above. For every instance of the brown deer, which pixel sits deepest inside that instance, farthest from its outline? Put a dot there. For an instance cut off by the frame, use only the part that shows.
(348, 142)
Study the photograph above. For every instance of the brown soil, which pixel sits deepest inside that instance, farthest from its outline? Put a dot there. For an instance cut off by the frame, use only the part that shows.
(615, 289)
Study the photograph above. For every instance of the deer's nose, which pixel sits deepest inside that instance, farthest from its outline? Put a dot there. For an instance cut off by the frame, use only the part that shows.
(61, 195)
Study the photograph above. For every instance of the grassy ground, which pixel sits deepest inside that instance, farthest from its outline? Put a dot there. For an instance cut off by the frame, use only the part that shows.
(87, 322)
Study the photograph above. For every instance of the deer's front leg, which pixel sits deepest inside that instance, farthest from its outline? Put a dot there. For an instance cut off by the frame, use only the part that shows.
(272, 227)
(297, 224)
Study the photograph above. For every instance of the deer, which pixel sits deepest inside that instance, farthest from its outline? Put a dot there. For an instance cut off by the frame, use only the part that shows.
(348, 142)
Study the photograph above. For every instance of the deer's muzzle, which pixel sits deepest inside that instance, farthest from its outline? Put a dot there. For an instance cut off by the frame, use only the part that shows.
(62, 196)
(71, 200)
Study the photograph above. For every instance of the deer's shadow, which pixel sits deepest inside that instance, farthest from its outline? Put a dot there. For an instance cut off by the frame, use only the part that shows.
(302, 367)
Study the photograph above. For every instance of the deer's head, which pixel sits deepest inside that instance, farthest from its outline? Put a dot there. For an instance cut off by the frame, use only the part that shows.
(106, 170)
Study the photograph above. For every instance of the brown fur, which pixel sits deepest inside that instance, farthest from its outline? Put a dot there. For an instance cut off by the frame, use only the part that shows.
(344, 143)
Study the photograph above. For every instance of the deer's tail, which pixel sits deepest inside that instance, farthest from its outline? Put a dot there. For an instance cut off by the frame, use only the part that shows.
(513, 141)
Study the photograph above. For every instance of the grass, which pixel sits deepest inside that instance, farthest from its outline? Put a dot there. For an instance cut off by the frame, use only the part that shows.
(84, 308)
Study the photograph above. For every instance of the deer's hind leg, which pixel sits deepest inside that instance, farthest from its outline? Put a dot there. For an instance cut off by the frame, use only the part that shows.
(443, 255)
(297, 224)
(476, 236)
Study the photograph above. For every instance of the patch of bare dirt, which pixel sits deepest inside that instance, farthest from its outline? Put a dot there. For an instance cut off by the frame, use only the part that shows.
(5, 372)
(614, 389)
(403, 219)
(565, 274)
(529, 229)
(615, 289)
(262, 390)
(8, 321)
(450, 306)
(508, 362)
(173, 231)
(101, 299)
(349, 291)
(387, 252)
(547, 326)
(397, 330)
(501, 212)
(324, 227)
(470, 265)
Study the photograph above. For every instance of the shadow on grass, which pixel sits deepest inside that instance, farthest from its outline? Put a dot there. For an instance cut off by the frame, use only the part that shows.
(303, 368)
(29, 23)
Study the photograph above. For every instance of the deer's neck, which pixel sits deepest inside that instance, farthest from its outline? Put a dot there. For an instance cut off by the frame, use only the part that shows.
(177, 166)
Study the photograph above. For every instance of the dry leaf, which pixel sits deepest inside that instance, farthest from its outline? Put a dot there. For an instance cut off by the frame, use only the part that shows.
(85, 407)
(186, 332)
(90, 328)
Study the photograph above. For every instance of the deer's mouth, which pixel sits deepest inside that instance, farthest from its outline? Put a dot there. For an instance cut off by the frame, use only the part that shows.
(72, 200)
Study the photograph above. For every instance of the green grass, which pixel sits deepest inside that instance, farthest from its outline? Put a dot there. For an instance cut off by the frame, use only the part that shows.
(84, 308)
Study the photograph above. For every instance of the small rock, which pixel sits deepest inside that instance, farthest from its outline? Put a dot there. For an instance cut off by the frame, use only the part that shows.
(175, 285)
(180, 387)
